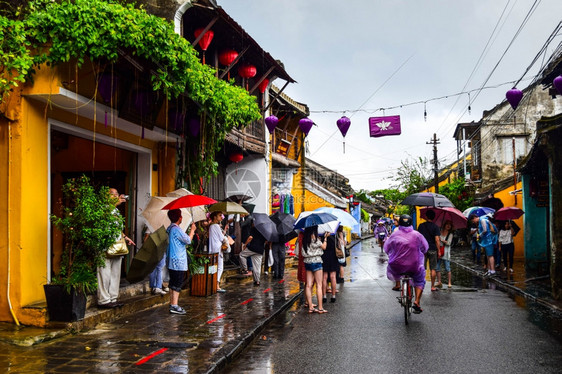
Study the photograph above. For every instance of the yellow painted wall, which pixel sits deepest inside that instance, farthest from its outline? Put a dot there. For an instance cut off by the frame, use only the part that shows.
(24, 192)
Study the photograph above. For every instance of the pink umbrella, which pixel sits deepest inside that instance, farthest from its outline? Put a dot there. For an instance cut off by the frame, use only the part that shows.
(446, 214)
(507, 213)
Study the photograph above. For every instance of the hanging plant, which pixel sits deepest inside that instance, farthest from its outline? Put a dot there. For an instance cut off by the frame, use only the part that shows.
(43, 31)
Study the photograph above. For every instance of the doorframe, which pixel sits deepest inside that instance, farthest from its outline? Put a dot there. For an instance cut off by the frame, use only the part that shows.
(144, 174)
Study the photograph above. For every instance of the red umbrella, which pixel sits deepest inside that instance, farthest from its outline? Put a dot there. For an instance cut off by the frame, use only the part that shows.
(507, 213)
(189, 201)
(446, 214)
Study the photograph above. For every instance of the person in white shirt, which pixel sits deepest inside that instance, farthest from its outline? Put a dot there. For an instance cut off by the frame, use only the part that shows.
(216, 239)
(506, 247)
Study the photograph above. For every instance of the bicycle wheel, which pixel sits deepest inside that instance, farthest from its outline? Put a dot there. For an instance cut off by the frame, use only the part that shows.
(406, 299)
(410, 298)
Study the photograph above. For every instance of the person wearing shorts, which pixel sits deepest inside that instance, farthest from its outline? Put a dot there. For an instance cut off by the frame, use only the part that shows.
(431, 233)
(312, 249)
(177, 258)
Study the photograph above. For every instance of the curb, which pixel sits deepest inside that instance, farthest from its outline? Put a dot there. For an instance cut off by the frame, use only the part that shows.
(506, 287)
(230, 352)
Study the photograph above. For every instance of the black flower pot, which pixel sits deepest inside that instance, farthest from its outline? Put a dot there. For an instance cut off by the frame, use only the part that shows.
(64, 306)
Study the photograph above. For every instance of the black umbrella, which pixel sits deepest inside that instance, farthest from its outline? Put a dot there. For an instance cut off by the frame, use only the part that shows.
(265, 226)
(427, 199)
(149, 255)
(284, 223)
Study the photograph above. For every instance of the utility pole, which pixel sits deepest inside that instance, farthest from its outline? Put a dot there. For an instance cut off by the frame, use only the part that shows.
(435, 141)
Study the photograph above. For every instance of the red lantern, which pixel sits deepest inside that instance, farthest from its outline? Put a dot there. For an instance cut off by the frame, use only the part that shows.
(247, 71)
(205, 40)
(227, 57)
(236, 157)
(263, 85)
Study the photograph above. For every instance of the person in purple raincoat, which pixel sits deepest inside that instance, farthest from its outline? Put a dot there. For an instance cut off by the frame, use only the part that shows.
(406, 249)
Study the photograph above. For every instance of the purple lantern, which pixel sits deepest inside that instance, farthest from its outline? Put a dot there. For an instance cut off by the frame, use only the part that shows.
(271, 123)
(557, 82)
(176, 119)
(514, 96)
(107, 86)
(343, 124)
(305, 125)
(193, 126)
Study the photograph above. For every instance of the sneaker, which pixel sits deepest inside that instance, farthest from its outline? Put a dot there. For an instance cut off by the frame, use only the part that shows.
(176, 309)
(510, 270)
(504, 269)
(166, 289)
(158, 291)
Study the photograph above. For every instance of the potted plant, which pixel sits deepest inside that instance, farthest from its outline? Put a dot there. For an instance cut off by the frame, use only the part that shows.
(89, 226)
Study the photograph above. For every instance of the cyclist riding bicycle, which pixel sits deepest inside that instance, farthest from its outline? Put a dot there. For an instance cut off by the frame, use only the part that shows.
(406, 248)
(381, 233)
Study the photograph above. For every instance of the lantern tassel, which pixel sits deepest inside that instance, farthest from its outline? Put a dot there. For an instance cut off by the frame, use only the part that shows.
(106, 119)
(344, 146)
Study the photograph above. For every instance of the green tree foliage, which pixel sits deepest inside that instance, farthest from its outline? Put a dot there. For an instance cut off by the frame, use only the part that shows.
(412, 175)
(458, 194)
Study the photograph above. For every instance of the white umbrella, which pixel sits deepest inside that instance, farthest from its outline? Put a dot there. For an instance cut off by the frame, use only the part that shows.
(344, 217)
(199, 213)
(155, 217)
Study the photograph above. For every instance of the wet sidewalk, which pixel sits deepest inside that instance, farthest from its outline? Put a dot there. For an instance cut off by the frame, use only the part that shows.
(212, 333)
(532, 284)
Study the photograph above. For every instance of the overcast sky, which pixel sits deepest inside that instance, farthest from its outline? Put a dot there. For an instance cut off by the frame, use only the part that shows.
(373, 54)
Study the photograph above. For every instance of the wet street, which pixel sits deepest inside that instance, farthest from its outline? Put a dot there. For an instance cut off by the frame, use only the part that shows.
(265, 329)
(471, 328)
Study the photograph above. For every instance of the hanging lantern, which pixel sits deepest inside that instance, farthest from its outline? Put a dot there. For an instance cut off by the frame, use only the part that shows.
(236, 157)
(193, 126)
(176, 119)
(343, 124)
(247, 71)
(557, 83)
(514, 96)
(227, 57)
(205, 40)
(107, 86)
(263, 85)
(305, 125)
(271, 123)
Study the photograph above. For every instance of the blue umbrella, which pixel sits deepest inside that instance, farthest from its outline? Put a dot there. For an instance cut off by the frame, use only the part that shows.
(314, 219)
(478, 211)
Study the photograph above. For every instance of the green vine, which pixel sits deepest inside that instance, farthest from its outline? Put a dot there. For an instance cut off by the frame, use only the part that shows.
(42, 31)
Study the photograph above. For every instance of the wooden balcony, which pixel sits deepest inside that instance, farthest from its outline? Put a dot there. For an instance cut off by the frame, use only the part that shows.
(251, 138)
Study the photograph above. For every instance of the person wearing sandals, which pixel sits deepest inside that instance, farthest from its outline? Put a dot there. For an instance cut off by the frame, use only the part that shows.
(330, 265)
(406, 249)
(312, 249)
(445, 260)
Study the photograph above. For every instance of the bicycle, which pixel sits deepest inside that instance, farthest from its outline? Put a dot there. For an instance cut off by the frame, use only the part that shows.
(406, 295)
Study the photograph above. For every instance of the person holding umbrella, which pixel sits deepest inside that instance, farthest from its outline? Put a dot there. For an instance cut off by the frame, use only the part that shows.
(445, 260)
(487, 237)
(312, 250)
(431, 233)
(253, 247)
(177, 257)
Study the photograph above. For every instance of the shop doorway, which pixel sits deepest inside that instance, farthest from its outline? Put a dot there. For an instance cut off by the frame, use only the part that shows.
(72, 155)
